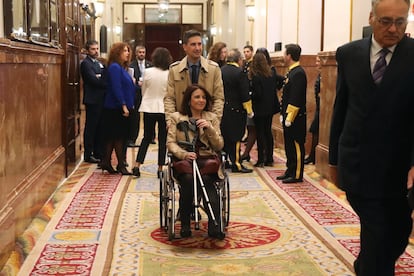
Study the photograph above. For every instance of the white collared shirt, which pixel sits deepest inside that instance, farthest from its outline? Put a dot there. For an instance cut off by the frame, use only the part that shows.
(375, 53)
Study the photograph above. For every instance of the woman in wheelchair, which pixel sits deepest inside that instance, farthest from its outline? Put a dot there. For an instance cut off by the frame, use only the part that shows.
(194, 135)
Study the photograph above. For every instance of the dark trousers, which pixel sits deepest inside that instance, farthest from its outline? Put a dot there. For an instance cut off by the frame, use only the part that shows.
(385, 228)
(149, 131)
(232, 149)
(295, 153)
(187, 199)
(264, 138)
(92, 136)
(134, 124)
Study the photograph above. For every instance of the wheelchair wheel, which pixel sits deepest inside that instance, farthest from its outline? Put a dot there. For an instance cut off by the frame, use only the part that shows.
(163, 200)
(171, 210)
(226, 202)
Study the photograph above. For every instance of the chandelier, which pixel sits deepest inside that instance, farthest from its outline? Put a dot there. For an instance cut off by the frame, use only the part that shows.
(163, 6)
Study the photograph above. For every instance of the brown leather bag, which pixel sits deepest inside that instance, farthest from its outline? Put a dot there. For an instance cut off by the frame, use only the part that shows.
(207, 165)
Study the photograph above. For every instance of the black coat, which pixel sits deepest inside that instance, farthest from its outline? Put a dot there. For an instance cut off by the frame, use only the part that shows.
(264, 94)
(236, 92)
(372, 131)
(294, 93)
(94, 88)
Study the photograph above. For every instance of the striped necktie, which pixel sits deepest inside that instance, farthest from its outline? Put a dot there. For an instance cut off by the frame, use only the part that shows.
(380, 66)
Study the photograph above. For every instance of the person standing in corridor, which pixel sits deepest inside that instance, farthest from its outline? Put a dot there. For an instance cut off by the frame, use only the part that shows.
(372, 135)
(193, 68)
(94, 89)
(293, 115)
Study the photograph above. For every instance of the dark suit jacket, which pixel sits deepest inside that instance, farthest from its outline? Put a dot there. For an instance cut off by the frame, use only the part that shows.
(294, 93)
(372, 131)
(236, 92)
(94, 88)
(137, 75)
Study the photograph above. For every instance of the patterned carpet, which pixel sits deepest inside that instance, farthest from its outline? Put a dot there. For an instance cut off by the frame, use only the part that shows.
(266, 235)
(101, 224)
(78, 238)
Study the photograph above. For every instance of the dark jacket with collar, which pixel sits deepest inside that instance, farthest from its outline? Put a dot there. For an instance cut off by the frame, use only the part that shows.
(94, 88)
(137, 74)
(372, 131)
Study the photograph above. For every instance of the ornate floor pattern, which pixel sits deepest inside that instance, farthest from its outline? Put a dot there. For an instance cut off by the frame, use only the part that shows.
(77, 239)
(265, 237)
(275, 229)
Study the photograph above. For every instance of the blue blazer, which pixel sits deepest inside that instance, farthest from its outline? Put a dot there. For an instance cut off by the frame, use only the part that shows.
(372, 131)
(121, 88)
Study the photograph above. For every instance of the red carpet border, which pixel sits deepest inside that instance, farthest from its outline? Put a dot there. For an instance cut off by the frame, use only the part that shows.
(77, 240)
(338, 220)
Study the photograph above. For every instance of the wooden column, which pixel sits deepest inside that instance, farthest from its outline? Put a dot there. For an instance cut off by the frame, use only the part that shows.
(327, 95)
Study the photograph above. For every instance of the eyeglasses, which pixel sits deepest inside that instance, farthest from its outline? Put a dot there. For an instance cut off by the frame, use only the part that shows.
(387, 22)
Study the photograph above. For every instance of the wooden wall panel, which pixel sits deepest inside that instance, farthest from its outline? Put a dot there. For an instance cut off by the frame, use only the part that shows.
(31, 152)
(328, 92)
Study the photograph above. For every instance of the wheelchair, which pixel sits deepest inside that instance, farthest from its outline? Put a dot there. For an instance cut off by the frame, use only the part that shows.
(168, 199)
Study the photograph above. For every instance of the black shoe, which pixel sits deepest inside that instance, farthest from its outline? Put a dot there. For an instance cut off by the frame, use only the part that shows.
(125, 163)
(92, 159)
(153, 142)
(283, 176)
(356, 266)
(131, 144)
(246, 157)
(269, 164)
(242, 170)
(309, 160)
(122, 170)
(227, 165)
(136, 172)
(217, 235)
(185, 232)
(259, 165)
(108, 168)
(292, 180)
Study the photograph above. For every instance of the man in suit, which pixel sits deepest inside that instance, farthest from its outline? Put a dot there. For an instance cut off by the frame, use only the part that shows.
(248, 57)
(237, 105)
(193, 68)
(139, 64)
(372, 135)
(293, 115)
(94, 89)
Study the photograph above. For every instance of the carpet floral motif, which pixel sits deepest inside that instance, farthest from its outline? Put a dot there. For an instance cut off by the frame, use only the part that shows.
(243, 235)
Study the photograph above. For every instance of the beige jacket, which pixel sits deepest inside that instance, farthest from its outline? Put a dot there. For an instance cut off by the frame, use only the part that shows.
(210, 137)
(179, 79)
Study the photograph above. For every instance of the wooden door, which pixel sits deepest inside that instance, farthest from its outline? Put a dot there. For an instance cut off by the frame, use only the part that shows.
(71, 79)
(167, 36)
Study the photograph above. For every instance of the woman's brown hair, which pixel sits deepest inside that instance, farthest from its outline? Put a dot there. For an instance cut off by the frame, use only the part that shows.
(185, 104)
(115, 54)
(259, 66)
(161, 58)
